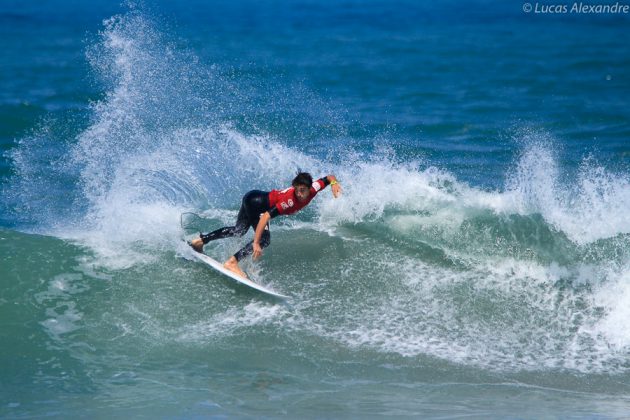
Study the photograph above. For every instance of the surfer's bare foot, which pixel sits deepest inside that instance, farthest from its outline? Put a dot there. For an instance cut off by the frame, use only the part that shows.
(232, 265)
(197, 244)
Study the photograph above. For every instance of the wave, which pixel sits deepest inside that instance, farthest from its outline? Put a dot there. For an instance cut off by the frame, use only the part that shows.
(534, 276)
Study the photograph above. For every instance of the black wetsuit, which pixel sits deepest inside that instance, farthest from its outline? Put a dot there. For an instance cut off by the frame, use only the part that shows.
(254, 204)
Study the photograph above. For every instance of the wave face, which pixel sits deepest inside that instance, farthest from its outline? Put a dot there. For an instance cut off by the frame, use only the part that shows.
(412, 270)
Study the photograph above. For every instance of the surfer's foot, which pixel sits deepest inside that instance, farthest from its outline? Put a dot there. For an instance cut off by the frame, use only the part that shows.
(232, 265)
(197, 244)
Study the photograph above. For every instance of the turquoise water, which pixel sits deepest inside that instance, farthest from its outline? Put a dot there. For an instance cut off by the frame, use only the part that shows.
(477, 264)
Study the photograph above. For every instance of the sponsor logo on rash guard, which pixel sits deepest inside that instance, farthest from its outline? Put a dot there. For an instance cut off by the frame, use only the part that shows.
(284, 200)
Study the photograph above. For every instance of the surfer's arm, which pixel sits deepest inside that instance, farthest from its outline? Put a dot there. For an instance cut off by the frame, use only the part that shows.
(260, 228)
(335, 186)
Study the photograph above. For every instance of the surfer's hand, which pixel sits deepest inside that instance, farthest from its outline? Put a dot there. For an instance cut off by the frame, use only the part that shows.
(336, 189)
(257, 250)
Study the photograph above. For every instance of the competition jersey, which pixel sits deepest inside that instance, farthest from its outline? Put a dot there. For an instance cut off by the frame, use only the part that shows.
(286, 202)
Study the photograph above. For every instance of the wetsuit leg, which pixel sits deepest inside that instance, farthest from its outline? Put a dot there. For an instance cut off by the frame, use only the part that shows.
(248, 249)
(241, 227)
(257, 202)
(253, 205)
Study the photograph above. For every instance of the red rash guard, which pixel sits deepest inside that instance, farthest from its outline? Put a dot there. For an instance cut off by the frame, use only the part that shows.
(285, 201)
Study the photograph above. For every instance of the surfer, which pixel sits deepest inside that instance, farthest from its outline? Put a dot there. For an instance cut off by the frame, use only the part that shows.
(258, 207)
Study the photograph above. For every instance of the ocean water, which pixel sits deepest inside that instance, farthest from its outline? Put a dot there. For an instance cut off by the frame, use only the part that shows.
(477, 264)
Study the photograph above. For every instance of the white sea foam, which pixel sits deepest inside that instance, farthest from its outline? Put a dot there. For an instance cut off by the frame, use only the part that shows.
(62, 314)
(233, 320)
(507, 316)
(613, 297)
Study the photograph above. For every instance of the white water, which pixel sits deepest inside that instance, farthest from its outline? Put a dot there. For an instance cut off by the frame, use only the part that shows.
(155, 147)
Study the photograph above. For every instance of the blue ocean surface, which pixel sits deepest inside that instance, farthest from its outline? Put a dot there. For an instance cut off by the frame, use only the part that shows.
(476, 265)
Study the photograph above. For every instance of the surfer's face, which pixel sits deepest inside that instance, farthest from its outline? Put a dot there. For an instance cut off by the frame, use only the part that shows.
(302, 192)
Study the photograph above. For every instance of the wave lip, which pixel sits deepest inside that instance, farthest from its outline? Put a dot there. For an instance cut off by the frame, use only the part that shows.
(587, 208)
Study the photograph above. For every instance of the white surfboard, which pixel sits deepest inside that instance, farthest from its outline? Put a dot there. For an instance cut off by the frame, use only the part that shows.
(242, 280)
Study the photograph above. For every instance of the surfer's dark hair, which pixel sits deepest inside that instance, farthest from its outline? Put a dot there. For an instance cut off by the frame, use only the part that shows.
(302, 178)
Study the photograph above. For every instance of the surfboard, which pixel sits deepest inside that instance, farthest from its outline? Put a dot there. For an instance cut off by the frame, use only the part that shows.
(242, 280)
